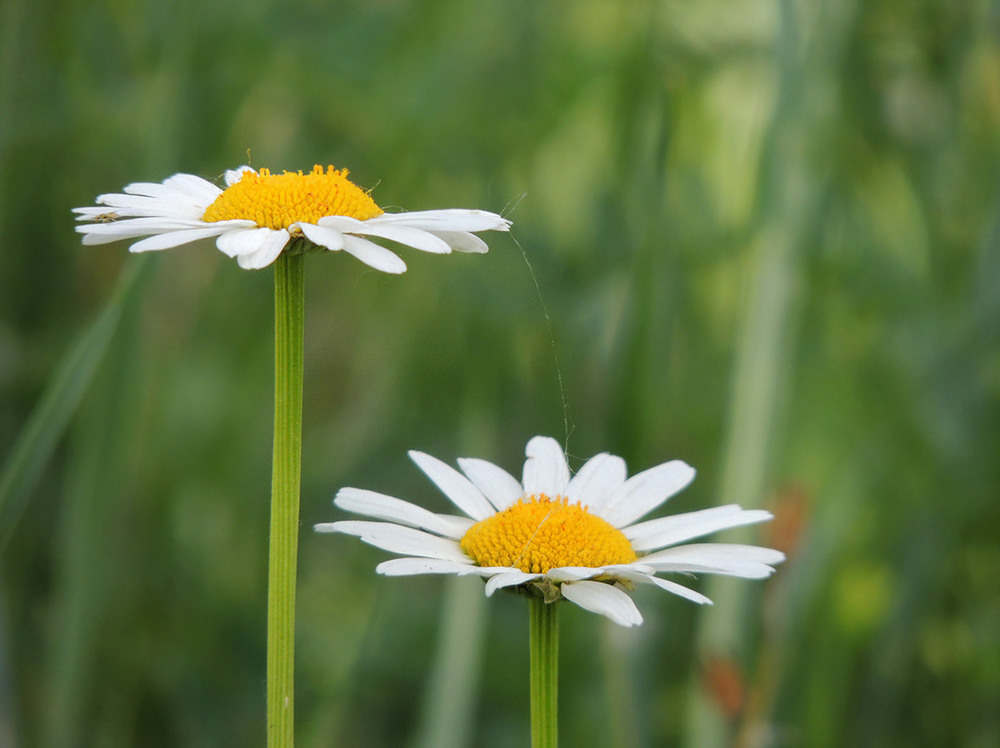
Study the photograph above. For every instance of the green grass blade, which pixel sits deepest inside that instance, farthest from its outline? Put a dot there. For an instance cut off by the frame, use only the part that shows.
(34, 447)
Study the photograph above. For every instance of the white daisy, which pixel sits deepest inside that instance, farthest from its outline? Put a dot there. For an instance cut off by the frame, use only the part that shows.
(259, 213)
(566, 537)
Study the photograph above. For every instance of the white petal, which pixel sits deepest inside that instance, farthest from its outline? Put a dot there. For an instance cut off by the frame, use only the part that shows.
(383, 507)
(242, 241)
(573, 573)
(664, 584)
(462, 492)
(400, 567)
(324, 237)
(235, 175)
(496, 484)
(135, 205)
(545, 470)
(605, 599)
(411, 237)
(268, 252)
(398, 539)
(455, 219)
(197, 188)
(597, 481)
(463, 241)
(679, 528)
(748, 561)
(510, 578)
(174, 239)
(373, 255)
(144, 225)
(645, 491)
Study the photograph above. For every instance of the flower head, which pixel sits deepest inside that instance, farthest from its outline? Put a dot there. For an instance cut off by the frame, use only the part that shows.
(259, 213)
(566, 537)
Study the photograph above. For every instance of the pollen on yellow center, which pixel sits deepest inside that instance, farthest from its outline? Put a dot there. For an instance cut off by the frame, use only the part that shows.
(538, 533)
(276, 201)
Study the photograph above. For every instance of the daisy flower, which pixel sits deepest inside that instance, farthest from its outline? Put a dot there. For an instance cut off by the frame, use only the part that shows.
(260, 213)
(575, 537)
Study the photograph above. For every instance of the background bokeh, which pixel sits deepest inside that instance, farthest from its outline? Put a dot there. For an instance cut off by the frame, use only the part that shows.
(766, 240)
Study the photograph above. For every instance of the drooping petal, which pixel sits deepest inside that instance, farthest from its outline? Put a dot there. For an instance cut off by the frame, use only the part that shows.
(545, 470)
(454, 219)
(597, 481)
(645, 491)
(573, 573)
(380, 506)
(242, 241)
(680, 590)
(174, 239)
(496, 484)
(748, 561)
(373, 255)
(268, 252)
(510, 578)
(463, 241)
(323, 236)
(462, 492)
(679, 528)
(606, 599)
(398, 539)
(410, 566)
(408, 235)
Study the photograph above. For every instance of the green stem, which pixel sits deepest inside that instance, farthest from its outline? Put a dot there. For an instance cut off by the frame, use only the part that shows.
(544, 644)
(285, 478)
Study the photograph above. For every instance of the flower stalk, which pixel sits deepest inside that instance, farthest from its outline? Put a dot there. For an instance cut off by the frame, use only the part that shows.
(544, 644)
(285, 481)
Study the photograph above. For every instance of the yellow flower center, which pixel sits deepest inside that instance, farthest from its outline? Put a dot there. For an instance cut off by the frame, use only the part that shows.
(276, 201)
(537, 534)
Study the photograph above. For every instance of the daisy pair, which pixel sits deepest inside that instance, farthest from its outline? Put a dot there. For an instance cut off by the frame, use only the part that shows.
(258, 214)
(575, 537)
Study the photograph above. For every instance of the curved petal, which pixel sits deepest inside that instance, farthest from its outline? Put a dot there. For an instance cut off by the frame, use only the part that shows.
(573, 573)
(748, 561)
(679, 528)
(268, 251)
(597, 481)
(545, 469)
(462, 492)
(664, 584)
(199, 189)
(380, 506)
(510, 578)
(411, 237)
(606, 599)
(463, 241)
(645, 491)
(500, 487)
(323, 237)
(454, 219)
(398, 539)
(233, 176)
(238, 242)
(373, 255)
(409, 566)
(174, 239)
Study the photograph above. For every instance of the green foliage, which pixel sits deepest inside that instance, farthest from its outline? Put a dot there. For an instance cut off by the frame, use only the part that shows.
(768, 239)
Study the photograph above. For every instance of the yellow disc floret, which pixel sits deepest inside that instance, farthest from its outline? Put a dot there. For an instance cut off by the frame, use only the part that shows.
(276, 201)
(536, 534)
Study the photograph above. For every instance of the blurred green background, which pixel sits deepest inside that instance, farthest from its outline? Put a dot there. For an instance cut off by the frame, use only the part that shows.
(767, 236)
